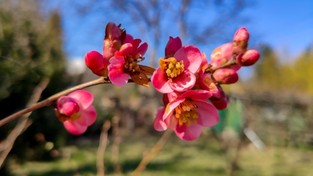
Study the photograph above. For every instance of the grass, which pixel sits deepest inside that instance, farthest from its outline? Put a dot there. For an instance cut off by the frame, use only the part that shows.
(202, 157)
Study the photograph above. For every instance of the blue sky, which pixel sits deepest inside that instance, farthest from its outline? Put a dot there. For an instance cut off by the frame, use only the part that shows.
(286, 25)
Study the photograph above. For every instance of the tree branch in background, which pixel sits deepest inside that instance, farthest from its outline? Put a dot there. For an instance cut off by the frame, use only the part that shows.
(101, 148)
(22, 124)
(115, 151)
(151, 153)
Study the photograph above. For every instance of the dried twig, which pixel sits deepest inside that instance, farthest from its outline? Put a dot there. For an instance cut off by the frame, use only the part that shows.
(101, 148)
(153, 151)
(116, 144)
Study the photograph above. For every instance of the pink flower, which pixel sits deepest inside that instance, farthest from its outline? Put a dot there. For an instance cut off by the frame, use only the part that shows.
(177, 73)
(187, 114)
(76, 111)
(97, 63)
(124, 64)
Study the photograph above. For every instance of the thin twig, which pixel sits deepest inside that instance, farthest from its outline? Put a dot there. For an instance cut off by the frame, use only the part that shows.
(23, 123)
(153, 151)
(101, 148)
(51, 99)
(116, 144)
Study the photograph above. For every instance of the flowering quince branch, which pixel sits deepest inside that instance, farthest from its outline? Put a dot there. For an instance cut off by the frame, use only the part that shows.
(191, 86)
(51, 99)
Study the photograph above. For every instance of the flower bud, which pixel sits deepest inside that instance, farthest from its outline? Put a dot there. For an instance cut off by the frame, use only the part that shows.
(241, 35)
(220, 103)
(96, 63)
(240, 41)
(225, 76)
(222, 53)
(114, 37)
(249, 57)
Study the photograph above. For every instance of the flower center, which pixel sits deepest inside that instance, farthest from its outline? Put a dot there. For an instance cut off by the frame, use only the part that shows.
(185, 113)
(131, 64)
(63, 117)
(172, 67)
(68, 109)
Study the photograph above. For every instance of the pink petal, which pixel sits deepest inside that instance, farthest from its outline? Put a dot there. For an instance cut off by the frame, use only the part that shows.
(170, 107)
(74, 127)
(188, 133)
(128, 39)
(136, 43)
(67, 106)
(125, 49)
(191, 56)
(183, 82)
(159, 123)
(196, 95)
(208, 114)
(88, 116)
(172, 46)
(160, 81)
(95, 62)
(84, 98)
(142, 49)
(112, 31)
(116, 71)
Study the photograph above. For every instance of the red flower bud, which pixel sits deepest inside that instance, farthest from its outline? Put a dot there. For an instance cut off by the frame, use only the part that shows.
(249, 57)
(226, 76)
(220, 103)
(241, 35)
(240, 41)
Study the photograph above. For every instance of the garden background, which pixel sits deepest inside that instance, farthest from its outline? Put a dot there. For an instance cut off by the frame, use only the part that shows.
(266, 130)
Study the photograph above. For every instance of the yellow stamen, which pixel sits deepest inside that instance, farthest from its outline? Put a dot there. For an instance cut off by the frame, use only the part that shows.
(172, 67)
(186, 113)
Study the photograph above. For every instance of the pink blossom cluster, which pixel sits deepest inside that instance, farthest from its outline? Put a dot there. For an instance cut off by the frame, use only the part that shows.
(120, 59)
(191, 86)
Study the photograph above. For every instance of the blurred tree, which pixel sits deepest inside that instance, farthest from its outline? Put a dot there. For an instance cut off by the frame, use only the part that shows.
(31, 50)
(302, 72)
(273, 74)
(268, 70)
(196, 22)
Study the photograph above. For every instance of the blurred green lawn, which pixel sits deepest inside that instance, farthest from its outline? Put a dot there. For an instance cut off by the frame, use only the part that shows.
(202, 157)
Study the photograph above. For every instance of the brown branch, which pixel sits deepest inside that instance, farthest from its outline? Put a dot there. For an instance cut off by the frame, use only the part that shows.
(51, 99)
(101, 148)
(150, 154)
(231, 62)
(23, 123)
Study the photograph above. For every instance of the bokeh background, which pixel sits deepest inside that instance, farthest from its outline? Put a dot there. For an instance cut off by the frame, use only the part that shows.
(266, 129)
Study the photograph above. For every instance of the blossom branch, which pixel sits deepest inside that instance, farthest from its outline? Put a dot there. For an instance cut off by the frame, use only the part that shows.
(227, 64)
(51, 99)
